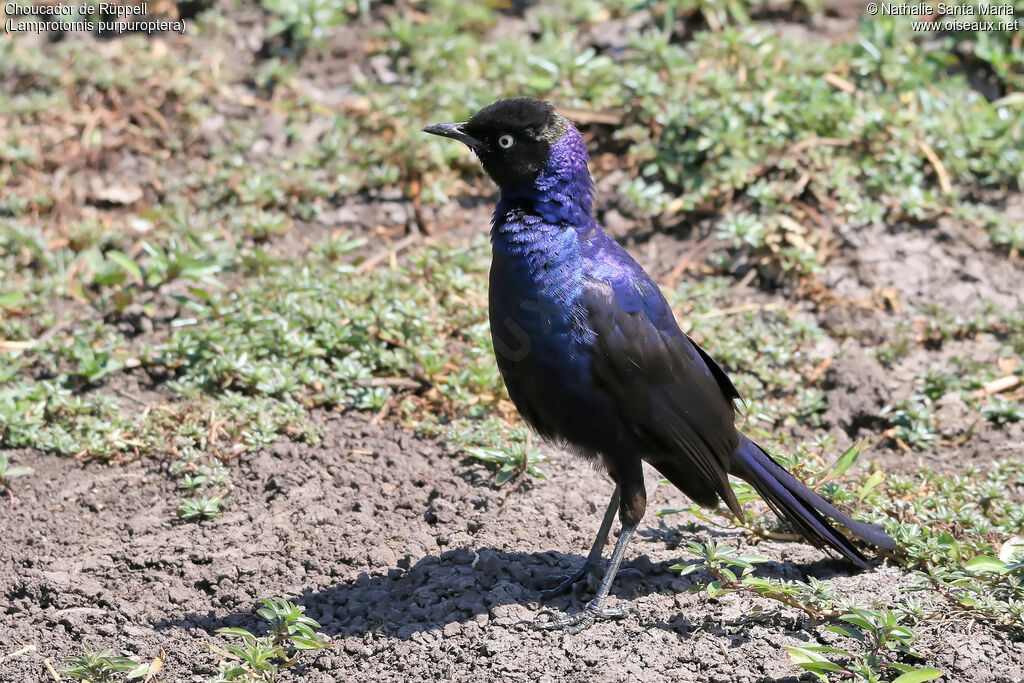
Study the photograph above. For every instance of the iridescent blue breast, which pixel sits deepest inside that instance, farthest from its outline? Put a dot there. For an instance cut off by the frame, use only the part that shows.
(540, 334)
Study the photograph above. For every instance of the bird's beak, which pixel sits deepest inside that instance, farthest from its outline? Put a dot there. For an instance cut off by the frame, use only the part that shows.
(455, 132)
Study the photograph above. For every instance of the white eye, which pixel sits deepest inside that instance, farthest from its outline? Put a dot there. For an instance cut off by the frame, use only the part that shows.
(506, 141)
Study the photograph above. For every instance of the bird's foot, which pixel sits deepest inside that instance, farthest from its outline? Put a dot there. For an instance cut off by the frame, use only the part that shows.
(566, 584)
(549, 620)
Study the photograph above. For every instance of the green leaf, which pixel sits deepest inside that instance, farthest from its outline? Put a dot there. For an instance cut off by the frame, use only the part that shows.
(807, 658)
(847, 631)
(954, 548)
(302, 630)
(11, 298)
(304, 643)
(738, 12)
(873, 481)
(138, 672)
(236, 651)
(825, 648)
(847, 459)
(858, 621)
(110, 277)
(233, 631)
(488, 454)
(715, 589)
(1013, 548)
(1013, 99)
(902, 633)
(126, 264)
(918, 675)
(985, 563)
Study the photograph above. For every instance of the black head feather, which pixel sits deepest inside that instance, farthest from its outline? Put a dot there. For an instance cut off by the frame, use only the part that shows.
(513, 138)
(526, 116)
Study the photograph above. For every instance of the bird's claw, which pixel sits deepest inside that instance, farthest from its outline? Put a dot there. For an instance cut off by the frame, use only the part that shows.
(566, 583)
(550, 620)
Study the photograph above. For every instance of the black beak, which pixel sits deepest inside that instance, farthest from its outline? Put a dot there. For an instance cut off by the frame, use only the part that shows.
(455, 132)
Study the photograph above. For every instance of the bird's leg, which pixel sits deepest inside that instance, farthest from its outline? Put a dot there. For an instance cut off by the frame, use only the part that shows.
(566, 583)
(595, 609)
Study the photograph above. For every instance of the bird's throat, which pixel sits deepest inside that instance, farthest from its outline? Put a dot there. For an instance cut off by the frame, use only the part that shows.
(562, 194)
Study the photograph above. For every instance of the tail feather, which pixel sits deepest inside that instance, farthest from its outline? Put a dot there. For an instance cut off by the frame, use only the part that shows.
(801, 506)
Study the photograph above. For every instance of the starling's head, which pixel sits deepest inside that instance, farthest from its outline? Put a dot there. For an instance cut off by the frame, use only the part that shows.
(513, 138)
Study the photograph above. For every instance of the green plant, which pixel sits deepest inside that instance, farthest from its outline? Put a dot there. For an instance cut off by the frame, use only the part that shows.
(8, 472)
(93, 364)
(184, 258)
(913, 422)
(261, 658)
(882, 633)
(944, 526)
(985, 587)
(515, 459)
(306, 22)
(102, 666)
(198, 509)
(1002, 411)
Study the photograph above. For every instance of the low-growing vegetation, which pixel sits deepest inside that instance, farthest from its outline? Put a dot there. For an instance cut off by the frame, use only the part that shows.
(944, 528)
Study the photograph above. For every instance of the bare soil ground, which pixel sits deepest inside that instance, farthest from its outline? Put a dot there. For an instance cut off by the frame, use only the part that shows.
(415, 566)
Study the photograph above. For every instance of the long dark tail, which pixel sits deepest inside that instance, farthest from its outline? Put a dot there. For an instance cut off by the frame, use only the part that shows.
(791, 500)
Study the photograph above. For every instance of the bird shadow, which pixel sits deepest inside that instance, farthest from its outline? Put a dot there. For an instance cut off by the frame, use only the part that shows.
(460, 585)
(454, 586)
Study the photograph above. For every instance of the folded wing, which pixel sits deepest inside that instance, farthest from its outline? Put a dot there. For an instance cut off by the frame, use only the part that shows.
(673, 396)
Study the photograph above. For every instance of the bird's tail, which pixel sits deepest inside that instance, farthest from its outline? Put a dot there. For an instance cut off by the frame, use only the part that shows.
(805, 509)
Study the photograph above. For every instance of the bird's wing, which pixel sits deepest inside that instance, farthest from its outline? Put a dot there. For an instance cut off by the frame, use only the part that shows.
(674, 396)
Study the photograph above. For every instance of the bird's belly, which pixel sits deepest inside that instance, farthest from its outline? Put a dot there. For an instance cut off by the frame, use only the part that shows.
(548, 373)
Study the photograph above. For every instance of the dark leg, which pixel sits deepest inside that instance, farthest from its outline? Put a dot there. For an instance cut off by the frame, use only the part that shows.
(574, 623)
(566, 583)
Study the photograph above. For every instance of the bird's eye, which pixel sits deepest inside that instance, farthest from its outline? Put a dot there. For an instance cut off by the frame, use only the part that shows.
(506, 141)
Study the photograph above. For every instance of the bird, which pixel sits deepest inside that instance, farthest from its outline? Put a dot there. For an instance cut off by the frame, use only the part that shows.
(594, 360)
